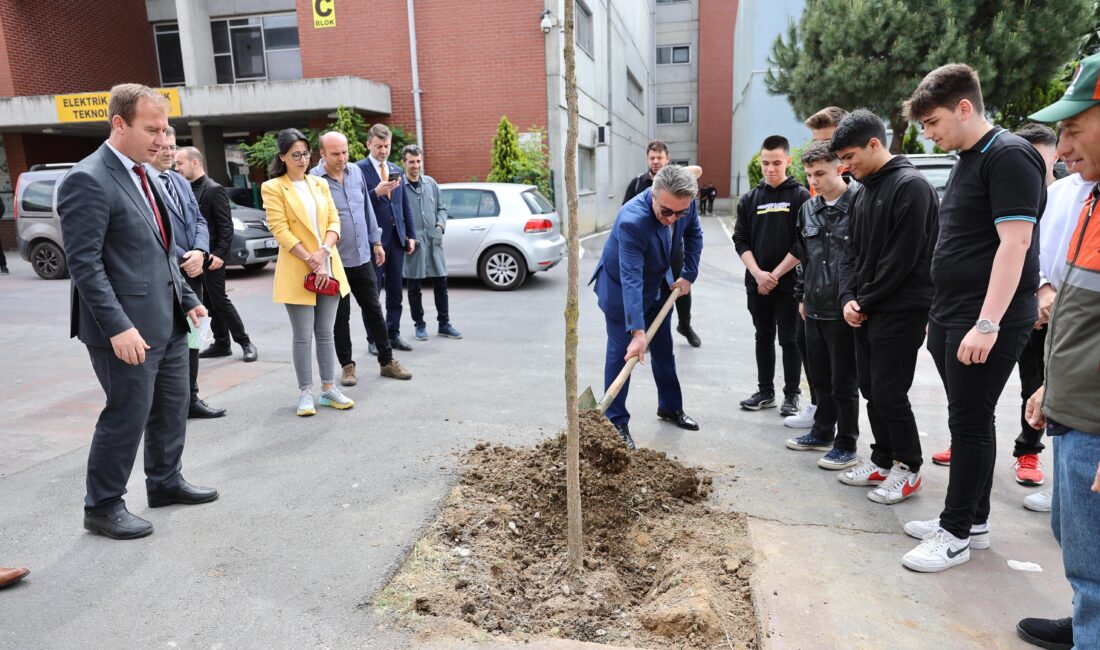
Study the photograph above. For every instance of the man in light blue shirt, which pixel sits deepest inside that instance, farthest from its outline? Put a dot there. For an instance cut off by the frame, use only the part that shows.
(359, 238)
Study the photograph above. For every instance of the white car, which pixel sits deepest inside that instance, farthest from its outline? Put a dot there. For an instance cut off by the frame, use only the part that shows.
(500, 232)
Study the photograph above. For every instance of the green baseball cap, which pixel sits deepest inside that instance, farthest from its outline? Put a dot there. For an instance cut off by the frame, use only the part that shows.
(1082, 94)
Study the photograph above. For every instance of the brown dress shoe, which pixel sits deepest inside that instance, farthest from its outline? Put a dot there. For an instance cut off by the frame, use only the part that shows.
(348, 376)
(394, 370)
(11, 576)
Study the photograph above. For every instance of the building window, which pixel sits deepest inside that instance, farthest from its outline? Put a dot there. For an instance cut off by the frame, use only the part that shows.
(169, 55)
(582, 24)
(671, 54)
(634, 93)
(586, 169)
(673, 115)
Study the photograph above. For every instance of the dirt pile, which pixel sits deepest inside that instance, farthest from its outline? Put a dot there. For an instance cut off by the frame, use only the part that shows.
(661, 570)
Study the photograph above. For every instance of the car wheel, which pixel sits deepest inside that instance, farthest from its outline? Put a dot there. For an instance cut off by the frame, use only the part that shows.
(502, 268)
(48, 261)
(255, 267)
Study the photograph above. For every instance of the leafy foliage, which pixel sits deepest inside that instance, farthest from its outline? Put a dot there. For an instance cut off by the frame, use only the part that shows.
(911, 142)
(873, 53)
(400, 138)
(506, 153)
(260, 153)
(533, 166)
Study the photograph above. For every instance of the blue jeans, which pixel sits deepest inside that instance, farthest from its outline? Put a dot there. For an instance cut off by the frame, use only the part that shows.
(1076, 454)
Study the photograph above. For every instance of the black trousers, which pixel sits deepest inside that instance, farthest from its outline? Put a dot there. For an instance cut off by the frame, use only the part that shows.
(771, 313)
(3, 258)
(149, 398)
(224, 319)
(683, 303)
(801, 334)
(1031, 378)
(831, 345)
(389, 277)
(886, 359)
(193, 355)
(416, 300)
(362, 281)
(972, 394)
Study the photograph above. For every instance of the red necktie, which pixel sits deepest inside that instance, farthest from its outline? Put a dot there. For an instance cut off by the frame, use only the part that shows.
(140, 171)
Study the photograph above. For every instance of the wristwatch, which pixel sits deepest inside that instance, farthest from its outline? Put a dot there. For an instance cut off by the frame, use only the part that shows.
(986, 326)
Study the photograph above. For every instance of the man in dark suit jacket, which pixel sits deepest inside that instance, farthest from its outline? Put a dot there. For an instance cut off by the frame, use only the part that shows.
(633, 279)
(214, 205)
(130, 307)
(192, 246)
(387, 197)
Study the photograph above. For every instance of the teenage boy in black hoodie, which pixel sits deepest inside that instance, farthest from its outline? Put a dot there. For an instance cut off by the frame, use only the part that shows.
(764, 236)
(886, 290)
(986, 273)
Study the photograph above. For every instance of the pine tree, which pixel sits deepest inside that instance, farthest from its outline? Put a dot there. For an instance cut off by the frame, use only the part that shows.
(506, 154)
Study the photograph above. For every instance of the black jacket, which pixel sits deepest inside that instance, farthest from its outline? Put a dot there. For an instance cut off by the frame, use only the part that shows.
(214, 206)
(823, 233)
(766, 225)
(894, 225)
(637, 185)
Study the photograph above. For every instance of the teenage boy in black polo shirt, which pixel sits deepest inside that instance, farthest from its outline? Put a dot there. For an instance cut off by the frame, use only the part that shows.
(986, 272)
(764, 236)
(886, 289)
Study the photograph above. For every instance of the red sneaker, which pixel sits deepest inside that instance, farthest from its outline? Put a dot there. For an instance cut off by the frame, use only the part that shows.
(942, 458)
(1028, 470)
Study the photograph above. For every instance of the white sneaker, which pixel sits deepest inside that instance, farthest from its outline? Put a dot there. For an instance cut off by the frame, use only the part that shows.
(334, 398)
(899, 486)
(305, 405)
(864, 475)
(1040, 501)
(804, 419)
(941, 550)
(979, 534)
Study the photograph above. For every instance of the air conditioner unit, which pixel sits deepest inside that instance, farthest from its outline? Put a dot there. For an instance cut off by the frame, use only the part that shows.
(601, 135)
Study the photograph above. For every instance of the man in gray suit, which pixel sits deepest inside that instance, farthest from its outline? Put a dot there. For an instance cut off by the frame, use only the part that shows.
(192, 245)
(130, 307)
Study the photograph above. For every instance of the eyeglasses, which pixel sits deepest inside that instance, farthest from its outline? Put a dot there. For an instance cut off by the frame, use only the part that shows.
(170, 147)
(666, 212)
(298, 155)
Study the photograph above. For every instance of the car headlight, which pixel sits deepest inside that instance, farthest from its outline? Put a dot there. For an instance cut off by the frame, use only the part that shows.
(239, 225)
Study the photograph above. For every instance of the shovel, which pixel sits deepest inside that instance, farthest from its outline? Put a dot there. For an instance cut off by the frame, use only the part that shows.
(587, 399)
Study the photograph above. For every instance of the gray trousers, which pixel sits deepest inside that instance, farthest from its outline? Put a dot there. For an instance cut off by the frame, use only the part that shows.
(309, 323)
(152, 397)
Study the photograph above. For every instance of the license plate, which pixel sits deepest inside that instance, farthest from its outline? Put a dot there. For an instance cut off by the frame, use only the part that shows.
(271, 243)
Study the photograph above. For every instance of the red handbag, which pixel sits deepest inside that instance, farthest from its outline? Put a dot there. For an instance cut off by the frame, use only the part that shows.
(331, 289)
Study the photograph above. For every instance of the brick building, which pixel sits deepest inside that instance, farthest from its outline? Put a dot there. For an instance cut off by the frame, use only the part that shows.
(243, 67)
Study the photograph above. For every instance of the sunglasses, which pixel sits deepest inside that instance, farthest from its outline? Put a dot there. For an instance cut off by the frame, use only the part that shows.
(666, 212)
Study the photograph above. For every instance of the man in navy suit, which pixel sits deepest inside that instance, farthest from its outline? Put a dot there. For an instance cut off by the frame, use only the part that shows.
(130, 307)
(633, 280)
(387, 197)
(192, 243)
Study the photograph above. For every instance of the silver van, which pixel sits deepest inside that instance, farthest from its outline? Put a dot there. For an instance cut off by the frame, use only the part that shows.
(38, 229)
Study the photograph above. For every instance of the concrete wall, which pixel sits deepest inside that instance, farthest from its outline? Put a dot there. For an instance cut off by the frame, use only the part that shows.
(165, 10)
(756, 113)
(678, 83)
(622, 40)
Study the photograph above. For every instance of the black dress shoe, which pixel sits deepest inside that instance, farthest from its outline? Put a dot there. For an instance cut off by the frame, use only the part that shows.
(1052, 633)
(216, 351)
(624, 433)
(679, 419)
(200, 410)
(372, 348)
(689, 334)
(185, 494)
(397, 343)
(119, 524)
(250, 353)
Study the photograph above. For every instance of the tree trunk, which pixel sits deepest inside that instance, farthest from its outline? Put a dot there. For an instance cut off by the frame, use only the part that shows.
(575, 536)
(899, 124)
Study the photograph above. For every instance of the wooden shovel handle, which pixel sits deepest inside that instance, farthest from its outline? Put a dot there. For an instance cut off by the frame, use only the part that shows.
(624, 374)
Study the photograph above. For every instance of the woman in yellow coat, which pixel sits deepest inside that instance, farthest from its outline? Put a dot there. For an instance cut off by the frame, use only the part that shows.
(303, 218)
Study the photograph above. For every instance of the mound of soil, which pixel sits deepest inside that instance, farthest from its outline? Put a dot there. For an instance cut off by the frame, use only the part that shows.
(661, 569)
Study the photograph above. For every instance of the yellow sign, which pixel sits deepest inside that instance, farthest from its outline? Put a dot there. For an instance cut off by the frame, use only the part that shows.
(324, 13)
(92, 107)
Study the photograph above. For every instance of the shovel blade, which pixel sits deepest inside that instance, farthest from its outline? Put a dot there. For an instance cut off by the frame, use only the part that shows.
(587, 400)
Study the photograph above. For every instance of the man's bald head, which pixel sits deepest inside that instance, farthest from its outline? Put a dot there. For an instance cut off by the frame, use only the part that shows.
(190, 163)
(334, 151)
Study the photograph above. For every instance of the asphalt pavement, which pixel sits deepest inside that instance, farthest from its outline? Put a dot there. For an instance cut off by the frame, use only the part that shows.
(316, 513)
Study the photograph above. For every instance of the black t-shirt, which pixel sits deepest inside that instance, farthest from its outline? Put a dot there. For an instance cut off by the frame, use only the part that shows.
(1001, 178)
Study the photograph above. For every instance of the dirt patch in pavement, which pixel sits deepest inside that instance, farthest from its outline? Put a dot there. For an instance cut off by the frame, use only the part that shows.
(661, 569)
